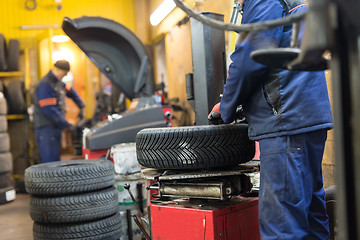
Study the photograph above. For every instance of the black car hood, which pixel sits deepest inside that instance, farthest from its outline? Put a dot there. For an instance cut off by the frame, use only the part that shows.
(116, 51)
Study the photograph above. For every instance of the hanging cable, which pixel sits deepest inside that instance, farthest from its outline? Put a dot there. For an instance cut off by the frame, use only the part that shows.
(240, 28)
(30, 5)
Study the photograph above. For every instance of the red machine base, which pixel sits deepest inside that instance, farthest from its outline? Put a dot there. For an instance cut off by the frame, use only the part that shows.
(93, 154)
(235, 219)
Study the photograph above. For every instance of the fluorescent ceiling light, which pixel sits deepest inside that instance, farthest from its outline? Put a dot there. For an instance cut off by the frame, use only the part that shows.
(60, 38)
(162, 11)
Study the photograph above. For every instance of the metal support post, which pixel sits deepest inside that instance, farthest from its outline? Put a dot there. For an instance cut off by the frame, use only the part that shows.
(208, 52)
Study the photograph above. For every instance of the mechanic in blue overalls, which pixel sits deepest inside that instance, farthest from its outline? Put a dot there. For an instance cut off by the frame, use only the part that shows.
(289, 113)
(49, 112)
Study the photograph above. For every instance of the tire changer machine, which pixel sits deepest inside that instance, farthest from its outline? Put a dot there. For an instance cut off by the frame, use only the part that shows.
(216, 211)
(227, 206)
(124, 60)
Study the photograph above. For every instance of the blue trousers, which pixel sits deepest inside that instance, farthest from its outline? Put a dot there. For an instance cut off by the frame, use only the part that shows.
(292, 198)
(49, 141)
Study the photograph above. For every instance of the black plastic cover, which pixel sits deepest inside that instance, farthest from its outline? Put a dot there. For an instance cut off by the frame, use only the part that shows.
(123, 130)
(116, 51)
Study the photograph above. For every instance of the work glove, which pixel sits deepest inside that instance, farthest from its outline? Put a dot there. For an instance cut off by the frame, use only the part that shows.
(214, 116)
(81, 113)
(71, 127)
(240, 115)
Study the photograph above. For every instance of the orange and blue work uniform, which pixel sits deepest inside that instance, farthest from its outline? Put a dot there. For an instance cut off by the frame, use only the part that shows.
(289, 113)
(49, 115)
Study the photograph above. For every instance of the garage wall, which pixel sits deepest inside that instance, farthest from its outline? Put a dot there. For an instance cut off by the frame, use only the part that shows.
(177, 40)
(13, 14)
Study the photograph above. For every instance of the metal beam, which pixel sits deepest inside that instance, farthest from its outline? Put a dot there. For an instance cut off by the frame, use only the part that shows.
(208, 53)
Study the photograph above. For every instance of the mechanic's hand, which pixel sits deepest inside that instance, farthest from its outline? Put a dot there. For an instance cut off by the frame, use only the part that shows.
(215, 117)
(81, 113)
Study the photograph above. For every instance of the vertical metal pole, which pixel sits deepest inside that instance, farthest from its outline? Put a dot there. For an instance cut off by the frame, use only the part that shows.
(346, 87)
(208, 51)
(129, 224)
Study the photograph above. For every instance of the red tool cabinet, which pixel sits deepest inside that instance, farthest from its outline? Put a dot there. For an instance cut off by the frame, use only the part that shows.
(234, 219)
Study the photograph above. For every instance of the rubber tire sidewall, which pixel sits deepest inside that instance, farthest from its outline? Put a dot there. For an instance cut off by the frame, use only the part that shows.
(74, 208)
(69, 177)
(3, 124)
(3, 105)
(195, 147)
(13, 55)
(107, 228)
(3, 54)
(4, 142)
(6, 162)
(14, 93)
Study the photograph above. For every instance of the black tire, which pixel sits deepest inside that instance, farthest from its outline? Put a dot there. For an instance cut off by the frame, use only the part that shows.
(4, 142)
(108, 228)
(13, 55)
(69, 177)
(74, 208)
(20, 185)
(194, 147)
(330, 199)
(14, 93)
(7, 194)
(3, 124)
(3, 105)
(6, 180)
(2, 53)
(6, 163)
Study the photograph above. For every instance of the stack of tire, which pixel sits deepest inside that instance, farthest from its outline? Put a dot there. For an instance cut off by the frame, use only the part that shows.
(73, 199)
(7, 190)
(14, 92)
(13, 86)
(9, 56)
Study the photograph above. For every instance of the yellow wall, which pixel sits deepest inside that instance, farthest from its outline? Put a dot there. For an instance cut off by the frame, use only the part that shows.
(13, 15)
(178, 49)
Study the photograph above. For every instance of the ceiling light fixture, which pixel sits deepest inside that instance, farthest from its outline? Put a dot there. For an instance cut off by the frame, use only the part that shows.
(162, 11)
(60, 38)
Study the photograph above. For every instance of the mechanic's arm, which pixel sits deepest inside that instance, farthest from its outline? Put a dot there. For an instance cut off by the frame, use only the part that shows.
(47, 100)
(244, 73)
(71, 93)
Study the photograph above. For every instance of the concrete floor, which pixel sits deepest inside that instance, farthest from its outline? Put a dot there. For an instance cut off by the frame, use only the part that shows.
(15, 221)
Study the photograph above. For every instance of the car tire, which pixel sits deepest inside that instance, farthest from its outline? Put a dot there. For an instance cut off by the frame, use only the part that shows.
(14, 93)
(2, 53)
(6, 180)
(74, 208)
(13, 55)
(107, 228)
(3, 105)
(4, 142)
(69, 177)
(3, 124)
(194, 147)
(6, 162)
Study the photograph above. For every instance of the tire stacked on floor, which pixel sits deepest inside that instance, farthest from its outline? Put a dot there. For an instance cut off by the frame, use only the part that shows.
(13, 88)
(7, 189)
(73, 200)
